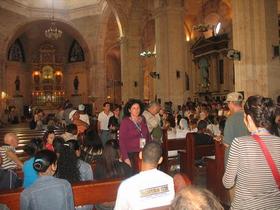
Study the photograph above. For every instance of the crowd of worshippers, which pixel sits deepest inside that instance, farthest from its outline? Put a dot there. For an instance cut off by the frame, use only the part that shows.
(110, 145)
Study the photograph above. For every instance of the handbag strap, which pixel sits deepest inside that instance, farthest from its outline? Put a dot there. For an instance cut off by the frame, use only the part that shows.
(269, 160)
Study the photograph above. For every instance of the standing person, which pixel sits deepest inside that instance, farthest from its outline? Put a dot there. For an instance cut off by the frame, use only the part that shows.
(235, 126)
(134, 132)
(150, 188)
(103, 120)
(152, 117)
(75, 119)
(248, 166)
(114, 122)
(48, 192)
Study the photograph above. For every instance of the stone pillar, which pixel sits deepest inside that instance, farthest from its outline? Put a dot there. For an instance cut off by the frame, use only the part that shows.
(132, 73)
(170, 57)
(255, 31)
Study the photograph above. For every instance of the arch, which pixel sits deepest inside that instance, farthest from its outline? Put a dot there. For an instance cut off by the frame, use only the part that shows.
(69, 28)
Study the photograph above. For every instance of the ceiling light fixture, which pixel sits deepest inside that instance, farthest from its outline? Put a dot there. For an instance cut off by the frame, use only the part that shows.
(53, 32)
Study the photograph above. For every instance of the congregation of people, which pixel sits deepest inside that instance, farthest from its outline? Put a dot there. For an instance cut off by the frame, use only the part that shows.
(126, 142)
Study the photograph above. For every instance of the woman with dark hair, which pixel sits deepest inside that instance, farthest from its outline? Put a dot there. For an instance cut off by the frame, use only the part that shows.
(48, 139)
(248, 167)
(84, 168)
(134, 132)
(114, 121)
(110, 165)
(30, 175)
(92, 148)
(47, 192)
(68, 164)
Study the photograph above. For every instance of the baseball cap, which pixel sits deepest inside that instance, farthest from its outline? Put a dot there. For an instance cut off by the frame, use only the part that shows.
(81, 107)
(235, 97)
(71, 114)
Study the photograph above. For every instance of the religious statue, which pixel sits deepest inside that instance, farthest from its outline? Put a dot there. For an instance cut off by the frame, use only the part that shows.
(204, 72)
(17, 83)
(76, 83)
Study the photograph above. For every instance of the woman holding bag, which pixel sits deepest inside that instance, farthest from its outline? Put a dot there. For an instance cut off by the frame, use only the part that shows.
(254, 161)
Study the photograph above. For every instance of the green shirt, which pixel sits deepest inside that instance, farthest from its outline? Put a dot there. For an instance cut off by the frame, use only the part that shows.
(235, 127)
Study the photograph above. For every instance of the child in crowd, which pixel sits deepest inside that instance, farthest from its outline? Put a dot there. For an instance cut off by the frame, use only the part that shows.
(48, 140)
(30, 175)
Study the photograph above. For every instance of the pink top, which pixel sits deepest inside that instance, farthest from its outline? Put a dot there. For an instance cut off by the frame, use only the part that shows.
(49, 147)
(130, 136)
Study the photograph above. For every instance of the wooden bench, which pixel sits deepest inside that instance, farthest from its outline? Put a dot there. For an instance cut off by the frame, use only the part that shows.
(215, 172)
(90, 192)
(169, 145)
(192, 153)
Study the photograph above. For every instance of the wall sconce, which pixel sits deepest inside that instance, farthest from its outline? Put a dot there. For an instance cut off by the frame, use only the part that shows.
(178, 74)
(233, 54)
(276, 50)
(154, 75)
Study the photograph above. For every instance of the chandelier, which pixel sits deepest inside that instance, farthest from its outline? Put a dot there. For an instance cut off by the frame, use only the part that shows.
(147, 54)
(53, 32)
(201, 27)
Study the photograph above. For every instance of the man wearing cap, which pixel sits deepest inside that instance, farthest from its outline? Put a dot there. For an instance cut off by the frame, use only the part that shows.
(83, 116)
(74, 116)
(235, 126)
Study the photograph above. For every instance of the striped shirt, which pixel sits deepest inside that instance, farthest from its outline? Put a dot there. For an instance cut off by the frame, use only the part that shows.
(249, 170)
(7, 163)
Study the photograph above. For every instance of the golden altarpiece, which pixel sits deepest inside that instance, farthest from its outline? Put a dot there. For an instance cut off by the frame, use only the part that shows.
(47, 77)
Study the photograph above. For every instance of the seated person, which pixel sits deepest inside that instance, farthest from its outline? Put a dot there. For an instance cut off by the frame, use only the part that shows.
(83, 116)
(110, 165)
(47, 192)
(150, 188)
(192, 197)
(30, 175)
(48, 140)
(70, 133)
(84, 168)
(201, 137)
(8, 153)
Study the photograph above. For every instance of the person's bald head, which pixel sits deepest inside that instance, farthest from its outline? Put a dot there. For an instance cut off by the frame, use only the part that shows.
(11, 139)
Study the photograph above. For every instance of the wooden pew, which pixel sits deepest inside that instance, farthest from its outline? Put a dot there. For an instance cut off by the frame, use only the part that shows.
(90, 192)
(215, 172)
(168, 145)
(193, 152)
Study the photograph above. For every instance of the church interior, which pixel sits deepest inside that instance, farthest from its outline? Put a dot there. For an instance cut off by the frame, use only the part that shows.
(176, 52)
(165, 50)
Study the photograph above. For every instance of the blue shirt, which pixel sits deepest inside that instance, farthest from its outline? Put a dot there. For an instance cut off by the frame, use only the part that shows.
(47, 193)
(30, 175)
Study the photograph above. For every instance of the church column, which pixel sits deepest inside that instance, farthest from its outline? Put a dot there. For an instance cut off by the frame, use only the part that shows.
(255, 31)
(170, 58)
(132, 73)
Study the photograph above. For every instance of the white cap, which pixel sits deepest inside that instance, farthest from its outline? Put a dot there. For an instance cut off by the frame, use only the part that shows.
(71, 114)
(81, 107)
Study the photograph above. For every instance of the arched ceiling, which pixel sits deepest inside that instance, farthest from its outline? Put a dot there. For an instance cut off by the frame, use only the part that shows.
(58, 4)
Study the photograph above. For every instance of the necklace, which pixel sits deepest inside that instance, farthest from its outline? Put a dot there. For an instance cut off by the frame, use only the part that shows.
(260, 131)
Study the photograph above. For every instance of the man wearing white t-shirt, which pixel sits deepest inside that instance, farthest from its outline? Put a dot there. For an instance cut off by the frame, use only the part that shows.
(103, 120)
(150, 188)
